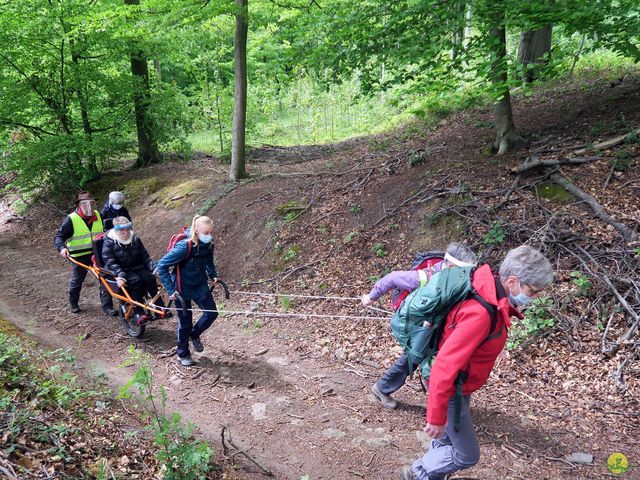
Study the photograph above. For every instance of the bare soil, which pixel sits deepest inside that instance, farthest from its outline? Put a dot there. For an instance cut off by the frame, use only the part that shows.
(295, 392)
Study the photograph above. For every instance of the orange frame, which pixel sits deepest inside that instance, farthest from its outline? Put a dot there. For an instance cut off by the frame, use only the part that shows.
(99, 273)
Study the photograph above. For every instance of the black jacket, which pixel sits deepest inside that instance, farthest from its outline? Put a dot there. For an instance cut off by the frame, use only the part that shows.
(119, 258)
(108, 214)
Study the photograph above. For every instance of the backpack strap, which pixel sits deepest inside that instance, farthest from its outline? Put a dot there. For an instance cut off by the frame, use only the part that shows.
(182, 263)
(492, 310)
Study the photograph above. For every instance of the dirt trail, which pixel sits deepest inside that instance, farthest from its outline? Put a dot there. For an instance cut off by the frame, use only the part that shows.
(297, 413)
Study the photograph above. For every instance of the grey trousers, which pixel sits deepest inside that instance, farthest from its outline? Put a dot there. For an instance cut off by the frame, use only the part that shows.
(395, 376)
(454, 450)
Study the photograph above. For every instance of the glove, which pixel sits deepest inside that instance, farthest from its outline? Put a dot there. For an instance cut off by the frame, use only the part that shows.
(366, 300)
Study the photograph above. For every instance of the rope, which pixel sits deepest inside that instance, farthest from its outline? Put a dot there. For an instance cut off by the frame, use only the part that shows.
(272, 314)
(293, 295)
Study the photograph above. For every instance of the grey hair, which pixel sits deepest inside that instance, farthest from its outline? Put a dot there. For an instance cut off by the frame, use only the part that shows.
(121, 220)
(528, 265)
(116, 198)
(462, 252)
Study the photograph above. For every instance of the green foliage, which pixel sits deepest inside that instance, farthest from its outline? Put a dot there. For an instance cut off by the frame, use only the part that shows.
(286, 303)
(582, 283)
(350, 236)
(495, 235)
(291, 253)
(379, 250)
(537, 320)
(180, 454)
(355, 209)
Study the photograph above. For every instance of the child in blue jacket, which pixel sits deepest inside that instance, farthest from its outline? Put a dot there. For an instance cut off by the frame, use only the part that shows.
(193, 262)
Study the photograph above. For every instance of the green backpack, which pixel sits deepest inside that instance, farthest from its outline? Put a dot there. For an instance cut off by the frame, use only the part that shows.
(418, 323)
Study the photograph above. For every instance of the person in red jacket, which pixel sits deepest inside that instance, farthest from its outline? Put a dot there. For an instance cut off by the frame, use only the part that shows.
(468, 346)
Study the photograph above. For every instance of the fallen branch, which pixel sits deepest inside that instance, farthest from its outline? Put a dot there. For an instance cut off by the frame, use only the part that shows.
(536, 163)
(608, 143)
(599, 211)
(241, 451)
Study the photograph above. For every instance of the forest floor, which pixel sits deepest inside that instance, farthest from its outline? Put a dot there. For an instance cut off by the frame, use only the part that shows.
(328, 220)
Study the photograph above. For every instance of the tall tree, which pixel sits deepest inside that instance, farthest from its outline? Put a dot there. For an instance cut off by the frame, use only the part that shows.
(533, 46)
(238, 147)
(148, 152)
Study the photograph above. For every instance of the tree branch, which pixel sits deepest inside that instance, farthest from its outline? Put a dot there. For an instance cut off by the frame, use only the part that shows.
(536, 162)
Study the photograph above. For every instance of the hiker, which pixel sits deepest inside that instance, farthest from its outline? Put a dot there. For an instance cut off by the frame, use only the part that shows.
(124, 254)
(113, 207)
(470, 347)
(395, 377)
(74, 239)
(192, 259)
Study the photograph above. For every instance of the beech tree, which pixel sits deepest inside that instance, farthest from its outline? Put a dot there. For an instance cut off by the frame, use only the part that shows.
(238, 146)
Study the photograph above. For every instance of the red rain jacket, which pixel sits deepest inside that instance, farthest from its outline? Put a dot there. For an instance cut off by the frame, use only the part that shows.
(462, 347)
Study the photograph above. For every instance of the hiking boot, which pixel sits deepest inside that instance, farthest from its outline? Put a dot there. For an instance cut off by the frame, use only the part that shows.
(110, 312)
(186, 361)
(142, 319)
(387, 401)
(74, 307)
(197, 345)
(407, 474)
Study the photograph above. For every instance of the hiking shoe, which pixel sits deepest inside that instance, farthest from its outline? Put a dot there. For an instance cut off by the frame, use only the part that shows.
(407, 474)
(110, 312)
(197, 345)
(74, 308)
(142, 319)
(186, 361)
(387, 401)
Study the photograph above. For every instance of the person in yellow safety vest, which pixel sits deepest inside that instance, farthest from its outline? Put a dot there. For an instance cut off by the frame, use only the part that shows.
(74, 239)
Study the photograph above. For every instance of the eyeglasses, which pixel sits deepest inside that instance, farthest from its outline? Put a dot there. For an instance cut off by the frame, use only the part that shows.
(534, 291)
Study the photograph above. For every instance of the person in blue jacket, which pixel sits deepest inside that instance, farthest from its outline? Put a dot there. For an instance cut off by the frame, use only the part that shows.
(193, 262)
(113, 207)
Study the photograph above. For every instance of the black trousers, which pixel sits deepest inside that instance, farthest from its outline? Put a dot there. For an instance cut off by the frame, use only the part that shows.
(140, 282)
(78, 274)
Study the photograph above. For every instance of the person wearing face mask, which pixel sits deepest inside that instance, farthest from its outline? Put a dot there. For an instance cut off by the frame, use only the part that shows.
(467, 346)
(74, 239)
(191, 260)
(124, 254)
(113, 207)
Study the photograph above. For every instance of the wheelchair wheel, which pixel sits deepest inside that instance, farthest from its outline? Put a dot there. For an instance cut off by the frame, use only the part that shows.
(133, 329)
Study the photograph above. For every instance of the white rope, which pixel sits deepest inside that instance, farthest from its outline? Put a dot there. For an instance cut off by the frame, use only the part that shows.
(293, 295)
(272, 314)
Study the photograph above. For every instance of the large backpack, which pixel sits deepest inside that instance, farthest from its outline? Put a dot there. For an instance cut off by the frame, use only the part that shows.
(425, 261)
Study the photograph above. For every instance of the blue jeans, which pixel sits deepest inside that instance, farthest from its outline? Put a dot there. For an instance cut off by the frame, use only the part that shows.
(454, 450)
(186, 329)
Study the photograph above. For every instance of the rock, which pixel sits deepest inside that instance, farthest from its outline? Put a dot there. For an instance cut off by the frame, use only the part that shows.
(100, 405)
(333, 433)
(580, 457)
(378, 441)
(424, 439)
(340, 354)
(259, 411)
(280, 361)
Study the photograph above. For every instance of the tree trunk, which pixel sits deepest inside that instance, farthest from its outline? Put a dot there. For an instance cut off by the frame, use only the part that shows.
(147, 148)
(506, 136)
(457, 36)
(92, 167)
(533, 46)
(158, 69)
(238, 150)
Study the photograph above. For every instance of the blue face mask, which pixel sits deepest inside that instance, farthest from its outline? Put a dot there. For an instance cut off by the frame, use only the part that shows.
(521, 299)
(205, 238)
(116, 207)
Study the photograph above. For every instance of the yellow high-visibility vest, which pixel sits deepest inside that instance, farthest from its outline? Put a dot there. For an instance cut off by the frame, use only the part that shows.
(81, 242)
